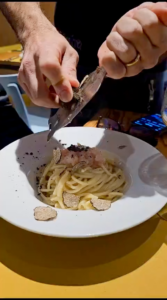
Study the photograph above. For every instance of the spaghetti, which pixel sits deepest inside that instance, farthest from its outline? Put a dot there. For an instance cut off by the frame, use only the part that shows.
(105, 181)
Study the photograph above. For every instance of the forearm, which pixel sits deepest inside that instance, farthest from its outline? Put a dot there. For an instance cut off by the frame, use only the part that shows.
(24, 17)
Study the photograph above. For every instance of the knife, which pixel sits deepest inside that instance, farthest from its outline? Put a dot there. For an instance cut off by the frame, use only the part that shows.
(81, 96)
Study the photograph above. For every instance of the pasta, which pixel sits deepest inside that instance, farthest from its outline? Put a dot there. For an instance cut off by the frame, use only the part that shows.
(105, 181)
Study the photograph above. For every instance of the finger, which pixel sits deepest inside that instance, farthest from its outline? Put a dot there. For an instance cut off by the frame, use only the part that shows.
(69, 64)
(23, 83)
(113, 66)
(25, 88)
(153, 28)
(33, 80)
(132, 31)
(124, 50)
(131, 12)
(160, 9)
(51, 68)
(44, 93)
(55, 96)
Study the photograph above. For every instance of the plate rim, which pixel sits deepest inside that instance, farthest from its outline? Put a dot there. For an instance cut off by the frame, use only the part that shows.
(91, 235)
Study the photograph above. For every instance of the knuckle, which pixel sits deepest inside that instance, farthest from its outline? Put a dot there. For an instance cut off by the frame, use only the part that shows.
(28, 65)
(74, 53)
(113, 36)
(147, 18)
(129, 28)
(109, 40)
(21, 69)
(48, 63)
(77, 56)
(20, 74)
(136, 29)
(71, 69)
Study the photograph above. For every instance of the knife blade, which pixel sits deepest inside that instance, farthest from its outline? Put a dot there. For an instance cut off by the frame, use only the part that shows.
(68, 111)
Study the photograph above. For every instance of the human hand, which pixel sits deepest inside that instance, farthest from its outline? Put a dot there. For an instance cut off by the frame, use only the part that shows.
(48, 55)
(143, 30)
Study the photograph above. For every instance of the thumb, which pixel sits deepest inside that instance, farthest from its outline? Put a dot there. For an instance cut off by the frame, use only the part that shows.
(69, 65)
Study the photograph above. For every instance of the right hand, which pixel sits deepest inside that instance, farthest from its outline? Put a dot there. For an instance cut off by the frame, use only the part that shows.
(48, 55)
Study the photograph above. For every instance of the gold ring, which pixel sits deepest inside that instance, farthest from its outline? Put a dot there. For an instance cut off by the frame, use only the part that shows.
(134, 62)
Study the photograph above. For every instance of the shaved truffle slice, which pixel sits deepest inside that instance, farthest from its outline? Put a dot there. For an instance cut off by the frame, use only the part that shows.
(42, 213)
(78, 166)
(56, 155)
(70, 200)
(100, 204)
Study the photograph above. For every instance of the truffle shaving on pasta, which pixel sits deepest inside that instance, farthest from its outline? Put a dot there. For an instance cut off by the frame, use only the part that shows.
(78, 176)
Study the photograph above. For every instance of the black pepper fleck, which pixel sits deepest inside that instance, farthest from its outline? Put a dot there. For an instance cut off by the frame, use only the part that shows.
(78, 148)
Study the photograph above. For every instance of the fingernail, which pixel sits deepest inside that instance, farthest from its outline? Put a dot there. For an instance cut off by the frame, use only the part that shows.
(64, 96)
(74, 81)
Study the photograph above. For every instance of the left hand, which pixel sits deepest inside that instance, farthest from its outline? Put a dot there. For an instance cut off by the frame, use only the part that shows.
(143, 30)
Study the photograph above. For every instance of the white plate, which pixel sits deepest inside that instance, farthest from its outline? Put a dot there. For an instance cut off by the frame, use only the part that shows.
(144, 198)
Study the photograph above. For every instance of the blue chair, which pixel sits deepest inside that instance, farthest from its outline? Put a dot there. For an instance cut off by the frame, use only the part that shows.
(36, 118)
